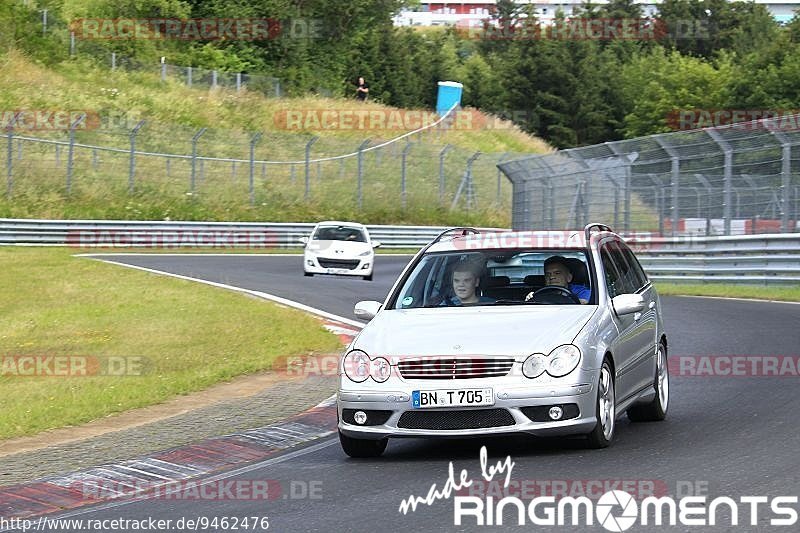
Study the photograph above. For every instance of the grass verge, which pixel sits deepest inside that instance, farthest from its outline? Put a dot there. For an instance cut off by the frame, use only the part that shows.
(187, 337)
(790, 293)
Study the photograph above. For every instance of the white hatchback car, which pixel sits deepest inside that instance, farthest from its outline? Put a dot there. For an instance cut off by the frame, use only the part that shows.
(339, 248)
(544, 333)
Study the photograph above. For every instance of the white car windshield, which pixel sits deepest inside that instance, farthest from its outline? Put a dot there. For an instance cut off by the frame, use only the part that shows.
(339, 233)
(503, 277)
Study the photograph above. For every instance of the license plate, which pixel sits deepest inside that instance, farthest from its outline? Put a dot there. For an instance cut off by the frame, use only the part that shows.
(421, 399)
(338, 271)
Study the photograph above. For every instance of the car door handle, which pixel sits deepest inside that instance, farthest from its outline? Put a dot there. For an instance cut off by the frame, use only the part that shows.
(637, 316)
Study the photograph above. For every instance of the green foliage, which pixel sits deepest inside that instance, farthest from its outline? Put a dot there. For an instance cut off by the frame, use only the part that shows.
(661, 83)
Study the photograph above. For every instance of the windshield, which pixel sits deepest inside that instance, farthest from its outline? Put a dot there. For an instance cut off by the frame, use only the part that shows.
(503, 277)
(339, 233)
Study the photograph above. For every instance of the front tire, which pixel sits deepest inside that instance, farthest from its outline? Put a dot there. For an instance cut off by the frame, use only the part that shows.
(361, 448)
(308, 274)
(656, 410)
(368, 278)
(605, 410)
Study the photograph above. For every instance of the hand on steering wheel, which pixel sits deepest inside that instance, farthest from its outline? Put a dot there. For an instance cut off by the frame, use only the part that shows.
(554, 288)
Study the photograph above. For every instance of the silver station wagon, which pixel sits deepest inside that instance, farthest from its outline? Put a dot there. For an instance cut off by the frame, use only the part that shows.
(547, 333)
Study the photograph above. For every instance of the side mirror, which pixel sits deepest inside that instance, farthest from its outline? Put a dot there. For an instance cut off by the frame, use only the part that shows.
(376, 244)
(304, 240)
(367, 309)
(625, 304)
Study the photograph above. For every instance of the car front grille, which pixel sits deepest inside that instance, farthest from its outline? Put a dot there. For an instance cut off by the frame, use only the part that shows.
(467, 419)
(349, 264)
(455, 367)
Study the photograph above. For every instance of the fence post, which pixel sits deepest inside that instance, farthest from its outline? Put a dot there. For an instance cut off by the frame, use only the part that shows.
(253, 142)
(238, 82)
(466, 181)
(675, 178)
(113, 61)
(194, 157)
(44, 22)
(71, 43)
(727, 151)
(213, 79)
(10, 156)
(71, 152)
(499, 160)
(403, 173)
(361, 148)
(786, 176)
(163, 70)
(188, 76)
(132, 157)
(442, 153)
(309, 144)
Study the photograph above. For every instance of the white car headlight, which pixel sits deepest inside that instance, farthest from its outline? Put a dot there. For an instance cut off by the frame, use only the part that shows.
(365, 254)
(563, 360)
(534, 366)
(380, 369)
(356, 365)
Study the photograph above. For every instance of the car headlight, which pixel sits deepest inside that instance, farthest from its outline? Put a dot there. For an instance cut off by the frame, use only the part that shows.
(534, 366)
(356, 366)
(563, 360)
(365, 254)
(380, 369)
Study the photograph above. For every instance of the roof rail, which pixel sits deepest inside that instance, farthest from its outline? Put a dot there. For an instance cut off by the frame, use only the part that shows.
(463, 230)
(587, 231)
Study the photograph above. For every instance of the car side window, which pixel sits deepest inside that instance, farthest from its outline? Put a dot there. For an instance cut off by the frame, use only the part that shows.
(629, 282)
(636, 268)
(613, 281)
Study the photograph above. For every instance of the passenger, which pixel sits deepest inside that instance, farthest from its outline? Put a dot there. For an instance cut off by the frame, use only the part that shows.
(466, 279)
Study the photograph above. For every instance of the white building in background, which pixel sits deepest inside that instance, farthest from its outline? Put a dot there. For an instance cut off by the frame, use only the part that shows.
(472, 12)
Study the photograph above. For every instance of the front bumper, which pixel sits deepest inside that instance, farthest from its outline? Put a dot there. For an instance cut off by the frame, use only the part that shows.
(513, 399)
(313, 264)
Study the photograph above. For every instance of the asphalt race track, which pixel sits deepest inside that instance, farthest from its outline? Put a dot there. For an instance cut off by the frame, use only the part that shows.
(724, 436)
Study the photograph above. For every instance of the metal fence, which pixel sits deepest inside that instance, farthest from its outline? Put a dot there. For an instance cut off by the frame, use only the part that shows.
(411, 170)
(728, 180)
(750, 259)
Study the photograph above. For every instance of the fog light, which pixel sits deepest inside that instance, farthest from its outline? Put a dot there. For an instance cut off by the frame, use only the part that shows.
(555, 413)
(366, 266)
(309, 262)
(361, 417)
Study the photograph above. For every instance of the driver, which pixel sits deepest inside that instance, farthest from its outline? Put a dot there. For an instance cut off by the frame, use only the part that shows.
(557, 272)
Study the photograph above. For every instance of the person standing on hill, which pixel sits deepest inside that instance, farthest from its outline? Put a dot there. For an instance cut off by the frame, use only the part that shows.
(362, 90)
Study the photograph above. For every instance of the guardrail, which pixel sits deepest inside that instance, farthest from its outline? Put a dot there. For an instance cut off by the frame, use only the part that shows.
(759, 259)
(157, 234)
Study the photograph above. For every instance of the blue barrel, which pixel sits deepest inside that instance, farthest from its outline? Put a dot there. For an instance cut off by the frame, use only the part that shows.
(448, 96)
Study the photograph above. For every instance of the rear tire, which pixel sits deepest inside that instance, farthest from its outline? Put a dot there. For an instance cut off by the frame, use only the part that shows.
(656, 410)
(361, 448)
(308, 274)
(605, 410)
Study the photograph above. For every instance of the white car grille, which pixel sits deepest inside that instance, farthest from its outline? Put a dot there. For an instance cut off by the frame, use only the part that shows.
(455, 367)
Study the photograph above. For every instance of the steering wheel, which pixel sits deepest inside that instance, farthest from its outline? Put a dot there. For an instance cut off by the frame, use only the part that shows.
(561, 293)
